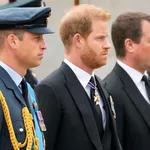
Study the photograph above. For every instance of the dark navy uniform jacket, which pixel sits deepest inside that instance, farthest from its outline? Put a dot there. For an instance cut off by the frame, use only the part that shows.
(32, 20)
(15, 102)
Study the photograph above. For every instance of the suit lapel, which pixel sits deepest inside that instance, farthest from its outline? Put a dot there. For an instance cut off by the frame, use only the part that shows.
(106, 97)
(134, 94)
(109, 111)
(80, 98)
(9, 83)
(101, 87)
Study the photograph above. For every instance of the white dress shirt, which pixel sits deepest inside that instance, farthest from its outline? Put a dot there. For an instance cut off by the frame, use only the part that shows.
(136, 76)
(84, 78)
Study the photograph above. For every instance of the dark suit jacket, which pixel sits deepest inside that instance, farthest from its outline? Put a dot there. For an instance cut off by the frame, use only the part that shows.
(15, 102)
(133, 112)
(68, 115)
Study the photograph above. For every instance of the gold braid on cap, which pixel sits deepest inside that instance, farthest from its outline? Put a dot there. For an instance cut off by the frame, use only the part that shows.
(29, 128)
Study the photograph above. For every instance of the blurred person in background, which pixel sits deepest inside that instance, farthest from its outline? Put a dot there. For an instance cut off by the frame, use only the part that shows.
(127, 82)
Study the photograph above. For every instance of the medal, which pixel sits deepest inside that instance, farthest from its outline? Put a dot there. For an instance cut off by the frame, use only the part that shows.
(96, 97)
(39, 117)
(41, 120)
(112, 106)
(35, 105)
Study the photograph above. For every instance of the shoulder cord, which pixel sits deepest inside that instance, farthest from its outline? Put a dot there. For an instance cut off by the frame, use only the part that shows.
(29, 127)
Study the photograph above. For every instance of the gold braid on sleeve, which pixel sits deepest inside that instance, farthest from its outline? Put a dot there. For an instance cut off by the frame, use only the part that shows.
(31, 142)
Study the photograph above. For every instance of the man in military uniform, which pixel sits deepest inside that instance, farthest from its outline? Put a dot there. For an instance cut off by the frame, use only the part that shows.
(30, 78)
(21, 47)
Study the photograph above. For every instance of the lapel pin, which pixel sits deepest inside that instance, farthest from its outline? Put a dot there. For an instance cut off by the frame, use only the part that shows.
(112, 106)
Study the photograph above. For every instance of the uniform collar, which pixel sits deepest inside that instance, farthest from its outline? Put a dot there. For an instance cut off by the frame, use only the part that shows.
(13, 74)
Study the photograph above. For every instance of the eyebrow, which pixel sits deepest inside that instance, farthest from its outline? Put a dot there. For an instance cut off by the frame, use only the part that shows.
(102, 35)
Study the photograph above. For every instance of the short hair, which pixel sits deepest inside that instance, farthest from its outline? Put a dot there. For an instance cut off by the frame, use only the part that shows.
(127, 25)
(4, 34)
(79, 20)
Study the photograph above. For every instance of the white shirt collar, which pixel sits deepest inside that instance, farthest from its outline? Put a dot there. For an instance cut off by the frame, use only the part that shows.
(13, 74)
(135, 75)
(82, 76)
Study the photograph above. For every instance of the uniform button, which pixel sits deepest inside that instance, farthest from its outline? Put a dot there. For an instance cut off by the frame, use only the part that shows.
(21, 129)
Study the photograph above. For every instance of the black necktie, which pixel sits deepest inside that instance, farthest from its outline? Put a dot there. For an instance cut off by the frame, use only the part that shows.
(92, 90)
(147, 85)
(25, 95)
(24, 89)
(97, 108)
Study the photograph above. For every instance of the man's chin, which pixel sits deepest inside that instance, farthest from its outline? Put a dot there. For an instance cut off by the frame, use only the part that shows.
(35, 65)
(100, 65)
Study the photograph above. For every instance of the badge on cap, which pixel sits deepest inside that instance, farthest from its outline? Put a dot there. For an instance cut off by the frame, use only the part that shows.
(47, 20)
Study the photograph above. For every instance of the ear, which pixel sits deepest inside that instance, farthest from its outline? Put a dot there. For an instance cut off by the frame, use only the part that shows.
(129, 44)
(77, 40)
(12, 40)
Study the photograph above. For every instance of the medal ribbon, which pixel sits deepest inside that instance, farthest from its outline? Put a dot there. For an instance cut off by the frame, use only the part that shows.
(92, 85)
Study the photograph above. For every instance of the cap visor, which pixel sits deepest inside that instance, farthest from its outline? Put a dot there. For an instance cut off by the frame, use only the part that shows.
(44, 30)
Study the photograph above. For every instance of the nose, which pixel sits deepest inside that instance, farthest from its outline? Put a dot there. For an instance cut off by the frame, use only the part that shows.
(43, 45)
(106, 45)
